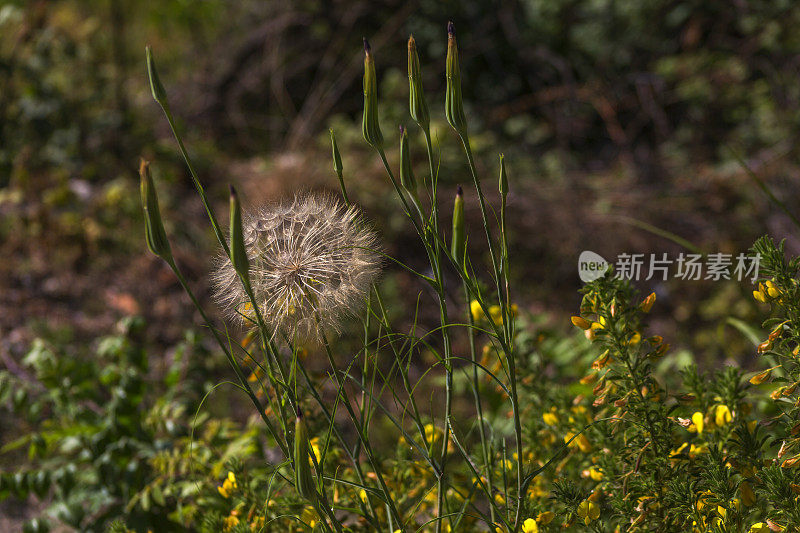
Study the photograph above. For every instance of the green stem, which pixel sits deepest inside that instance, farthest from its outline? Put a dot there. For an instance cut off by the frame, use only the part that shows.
(487, 459)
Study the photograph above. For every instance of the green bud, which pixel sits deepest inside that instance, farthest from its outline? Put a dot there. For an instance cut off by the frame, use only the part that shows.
(458, 246)
(337, 166)
(503, 186)
(453, 104)
(337, 158)
(369, 125)
(153, 227)
(303, 478)
(416, 97)
(159, 94)
(407, 179)
(238, 251)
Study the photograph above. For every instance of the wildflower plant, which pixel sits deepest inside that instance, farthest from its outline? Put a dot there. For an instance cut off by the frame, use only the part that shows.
(294, 271)
(619, 448)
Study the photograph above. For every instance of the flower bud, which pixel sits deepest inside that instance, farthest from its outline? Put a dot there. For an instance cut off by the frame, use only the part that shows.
(647, 303)
(453, 104)
(416, 97)
(337, 166)
(369, 124)
(159, 94)
(581, 322)
(407, 179)
(238, 251)
(761, 377)
(458, 245)
(503, 185)
(337, 157)
(153, 227)
(303, 478)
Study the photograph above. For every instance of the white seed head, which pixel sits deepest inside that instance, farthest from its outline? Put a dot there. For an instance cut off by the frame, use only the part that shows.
(312, 262)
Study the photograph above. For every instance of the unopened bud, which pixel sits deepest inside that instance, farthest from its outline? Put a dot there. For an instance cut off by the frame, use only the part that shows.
(159, 94)
(453, 104)
(153, 226)
(303, 478)
(503, 185)
(407, 179)
(416, 98)
(369, 124)
(337, 157)
(238, 251)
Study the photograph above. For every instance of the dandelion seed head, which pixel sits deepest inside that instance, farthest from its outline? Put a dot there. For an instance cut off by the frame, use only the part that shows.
(312, 262)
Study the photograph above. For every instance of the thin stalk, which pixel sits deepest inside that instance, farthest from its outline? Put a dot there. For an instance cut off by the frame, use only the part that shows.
(487, 459)
(436, 264)
(508, 344)
(199, 186)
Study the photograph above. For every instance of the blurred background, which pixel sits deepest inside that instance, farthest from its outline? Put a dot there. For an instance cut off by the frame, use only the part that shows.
(619, 121)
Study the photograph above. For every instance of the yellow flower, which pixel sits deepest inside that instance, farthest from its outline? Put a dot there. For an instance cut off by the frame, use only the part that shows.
(475, 309)
(530, 526)
(697, 420)
(581, 322)
(759, 527)
(679, 450)
(580, 442)
(230, 522)
(761, 377)
(648, 302)
(545, 517)
(772, 290)
(588, 511)
(228, 486)
(362, 495)
(315, 449)
(551, 418)
(499, 499)
(722, 415)
(595, 473)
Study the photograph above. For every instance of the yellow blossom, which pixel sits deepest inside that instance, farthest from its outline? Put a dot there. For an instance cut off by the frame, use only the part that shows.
(230, 522)
(581, 322)
(530, 526)
(228, 486)
(722, 415)
(697, 420)
(546, 517)
(761, 377)
(315, 450)
(475, 309)
(648, 302)
(595, 473)
(589, 511)
(759, 527)
(580, 442)
(551, 418)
